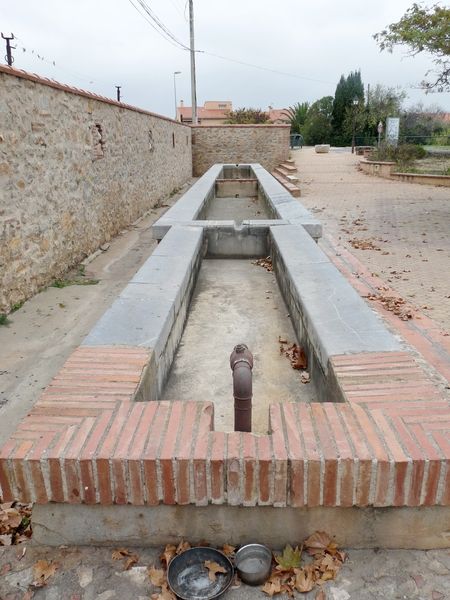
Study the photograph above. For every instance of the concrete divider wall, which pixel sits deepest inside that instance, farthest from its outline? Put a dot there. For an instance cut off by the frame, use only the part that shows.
(265, 144)
(75, 169)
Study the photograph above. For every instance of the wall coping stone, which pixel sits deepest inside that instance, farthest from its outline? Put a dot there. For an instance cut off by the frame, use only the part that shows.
(80, 92)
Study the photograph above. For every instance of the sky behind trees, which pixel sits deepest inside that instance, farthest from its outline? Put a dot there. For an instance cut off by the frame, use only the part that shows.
(99, 44)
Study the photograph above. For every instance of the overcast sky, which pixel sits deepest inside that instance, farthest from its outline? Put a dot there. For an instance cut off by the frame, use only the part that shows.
(97, 44)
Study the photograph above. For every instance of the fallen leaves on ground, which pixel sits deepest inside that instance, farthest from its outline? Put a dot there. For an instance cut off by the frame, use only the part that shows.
(296, 356)
(266, 263)
(290, 559)
(360, 244)
(123, 554)
(157, 576)
(15, 523)
(394, 304)
(42, 571)
(213, 569)
(322, 563)
(228, 550)
(164, 594)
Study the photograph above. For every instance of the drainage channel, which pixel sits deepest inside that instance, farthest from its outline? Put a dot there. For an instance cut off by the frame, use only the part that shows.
(236, 301)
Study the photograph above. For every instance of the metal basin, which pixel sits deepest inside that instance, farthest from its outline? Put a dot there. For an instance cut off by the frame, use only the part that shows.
(189, 578)
(253, 563)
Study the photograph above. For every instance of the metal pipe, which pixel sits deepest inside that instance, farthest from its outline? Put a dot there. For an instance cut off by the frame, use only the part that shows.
(241, 363)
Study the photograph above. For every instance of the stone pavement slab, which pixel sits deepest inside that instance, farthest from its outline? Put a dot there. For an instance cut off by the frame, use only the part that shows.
(91, 574)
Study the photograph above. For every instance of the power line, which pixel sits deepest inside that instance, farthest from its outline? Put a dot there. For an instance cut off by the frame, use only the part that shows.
(157, 24)
(240, 62)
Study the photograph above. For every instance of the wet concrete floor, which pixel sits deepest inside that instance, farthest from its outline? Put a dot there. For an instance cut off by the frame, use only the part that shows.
(236, 301)
(236, 209)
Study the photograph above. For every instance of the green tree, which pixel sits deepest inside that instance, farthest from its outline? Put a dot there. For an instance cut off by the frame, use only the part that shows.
(382, 102)
(423, 29)
(317, 127)
(297, 115)
(418, 123)
(349, 90)
(247, 116)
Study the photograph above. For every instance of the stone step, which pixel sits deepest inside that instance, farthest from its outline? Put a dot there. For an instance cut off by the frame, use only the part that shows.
(292, 178)
(290, 161)
(291, 188)
(282, 172)
(289, 167)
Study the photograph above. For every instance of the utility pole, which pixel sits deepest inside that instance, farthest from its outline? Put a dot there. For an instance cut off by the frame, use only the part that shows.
(118, 92)
(193, 83)
(9, 56)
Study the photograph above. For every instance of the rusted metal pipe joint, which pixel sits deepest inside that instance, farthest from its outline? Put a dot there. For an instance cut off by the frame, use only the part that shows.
(241, 363)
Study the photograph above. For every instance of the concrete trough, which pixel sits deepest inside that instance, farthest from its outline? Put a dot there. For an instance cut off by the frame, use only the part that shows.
(371, 445)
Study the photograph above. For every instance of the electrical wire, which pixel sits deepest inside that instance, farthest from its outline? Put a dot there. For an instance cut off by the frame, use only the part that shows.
(240, 62)
(159, 26)
(169, 38)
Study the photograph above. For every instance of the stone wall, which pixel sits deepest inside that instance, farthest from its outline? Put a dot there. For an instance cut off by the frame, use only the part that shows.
(75, 169)
(264, 144)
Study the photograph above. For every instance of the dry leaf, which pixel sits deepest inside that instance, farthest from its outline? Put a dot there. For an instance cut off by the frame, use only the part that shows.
(214, 568)
(304, 580)
(157, 576)
(132, 560)
(272, 587)
(317, 542)
(43, 570)
(228, 550)
(320, 595)
(5, 539)
(182, 547)
(168, 554)
(165, 594)
(121, 553)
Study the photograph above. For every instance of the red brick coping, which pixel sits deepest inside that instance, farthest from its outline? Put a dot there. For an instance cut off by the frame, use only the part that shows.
(87, 441)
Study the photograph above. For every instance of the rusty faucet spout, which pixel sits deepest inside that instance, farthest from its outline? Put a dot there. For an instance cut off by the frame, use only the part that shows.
(241, 363)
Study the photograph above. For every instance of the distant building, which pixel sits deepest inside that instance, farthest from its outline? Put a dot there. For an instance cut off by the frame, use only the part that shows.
(211, 113)
(216, 112)
(278, 116)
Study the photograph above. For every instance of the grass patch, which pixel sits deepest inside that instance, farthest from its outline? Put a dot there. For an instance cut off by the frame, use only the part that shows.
(17, 305)
(3, 319)
(62, 283)
(75, 277)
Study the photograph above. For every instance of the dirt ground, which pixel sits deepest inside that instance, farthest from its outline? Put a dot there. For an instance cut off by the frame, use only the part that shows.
(410, 225)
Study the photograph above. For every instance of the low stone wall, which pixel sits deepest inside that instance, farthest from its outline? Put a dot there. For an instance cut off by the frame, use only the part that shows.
(380, 168)
(386, 169)
(441, 180)
(75, 169)
(264, 144)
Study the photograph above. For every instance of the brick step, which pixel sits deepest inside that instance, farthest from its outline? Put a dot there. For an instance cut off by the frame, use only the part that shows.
(289, 167)
(282, 171)
(291, 188)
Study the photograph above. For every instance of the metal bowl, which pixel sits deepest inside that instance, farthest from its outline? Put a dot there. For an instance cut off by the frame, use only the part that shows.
(188, 577)
(253, 563)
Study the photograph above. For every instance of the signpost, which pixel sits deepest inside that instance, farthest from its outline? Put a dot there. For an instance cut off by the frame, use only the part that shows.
(392, 130)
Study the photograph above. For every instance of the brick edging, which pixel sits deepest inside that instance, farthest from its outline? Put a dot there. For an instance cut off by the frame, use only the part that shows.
(87, 441)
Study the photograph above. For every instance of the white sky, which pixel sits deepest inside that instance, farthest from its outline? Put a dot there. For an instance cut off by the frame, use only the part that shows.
(97, 44)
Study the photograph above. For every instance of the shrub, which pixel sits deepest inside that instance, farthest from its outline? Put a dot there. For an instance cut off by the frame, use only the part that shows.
(403, 153)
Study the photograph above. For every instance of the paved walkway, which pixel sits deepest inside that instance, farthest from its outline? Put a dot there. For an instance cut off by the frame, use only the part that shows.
(46, 329)
(407, 224)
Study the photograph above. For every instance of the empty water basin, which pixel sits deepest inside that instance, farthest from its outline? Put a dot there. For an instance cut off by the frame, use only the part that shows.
(236, 301)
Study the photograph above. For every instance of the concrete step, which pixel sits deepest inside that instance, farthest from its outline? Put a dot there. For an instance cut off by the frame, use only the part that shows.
(290, 161)
(281, 171)
(289, 167)
(292, 178)
(291, 188)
